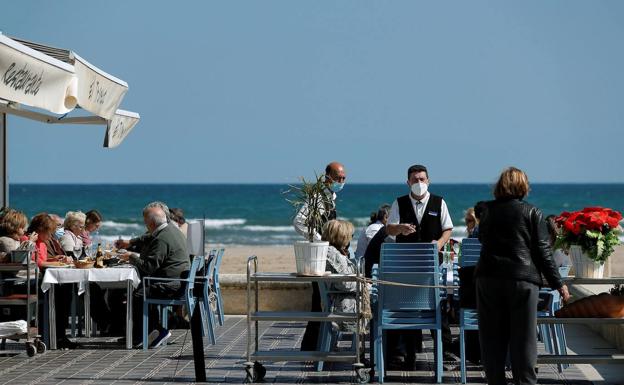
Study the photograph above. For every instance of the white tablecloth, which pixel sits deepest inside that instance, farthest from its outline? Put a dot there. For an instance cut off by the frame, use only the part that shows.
(58, 275)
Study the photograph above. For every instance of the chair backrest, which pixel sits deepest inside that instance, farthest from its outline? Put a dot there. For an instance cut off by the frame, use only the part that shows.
(470, 252)
(215, 271)
(409, 263)
(196, 265)
(211, 262)
(408, 257)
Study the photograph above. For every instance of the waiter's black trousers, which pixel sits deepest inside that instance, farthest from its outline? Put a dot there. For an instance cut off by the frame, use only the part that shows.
(508, 320)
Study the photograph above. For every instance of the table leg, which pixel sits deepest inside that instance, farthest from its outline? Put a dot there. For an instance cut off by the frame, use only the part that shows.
(87, 311)
(52, 317)
(129, 294)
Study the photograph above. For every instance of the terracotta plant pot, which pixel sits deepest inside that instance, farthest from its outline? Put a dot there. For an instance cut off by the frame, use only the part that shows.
(596, 306)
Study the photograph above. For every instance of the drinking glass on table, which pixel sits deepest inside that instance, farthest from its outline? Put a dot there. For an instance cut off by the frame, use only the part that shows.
(77, 252)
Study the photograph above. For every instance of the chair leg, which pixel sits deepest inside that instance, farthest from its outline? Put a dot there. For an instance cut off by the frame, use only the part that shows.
(164, 321)
(208, 318)
(563, 345)
(145, 323)
(379, 355)
(220, 305)
(438, 355)
(73, 316)
(462, 354)
(325, 342)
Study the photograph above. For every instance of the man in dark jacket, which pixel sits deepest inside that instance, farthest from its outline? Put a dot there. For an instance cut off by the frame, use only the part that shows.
(163, 253)
(515, 253)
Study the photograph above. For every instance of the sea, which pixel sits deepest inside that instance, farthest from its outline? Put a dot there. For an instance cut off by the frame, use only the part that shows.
(258, 214)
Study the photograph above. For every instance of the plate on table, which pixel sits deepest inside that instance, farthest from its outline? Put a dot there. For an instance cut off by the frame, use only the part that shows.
(59, 264)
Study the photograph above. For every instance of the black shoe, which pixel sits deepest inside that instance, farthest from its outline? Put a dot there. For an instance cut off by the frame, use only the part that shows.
(64, 343)
(396, 362)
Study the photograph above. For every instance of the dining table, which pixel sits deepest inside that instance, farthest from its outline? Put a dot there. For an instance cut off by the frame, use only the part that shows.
(120, 276)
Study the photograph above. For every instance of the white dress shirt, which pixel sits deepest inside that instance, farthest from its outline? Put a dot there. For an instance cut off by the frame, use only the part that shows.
(419, 209)
(299, 220)
(365, 236)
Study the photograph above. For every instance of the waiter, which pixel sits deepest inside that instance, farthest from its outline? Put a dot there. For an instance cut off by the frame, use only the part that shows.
(417, 217)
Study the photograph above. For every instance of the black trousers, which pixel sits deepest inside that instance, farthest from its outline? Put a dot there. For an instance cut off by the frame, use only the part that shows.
(508, 321)
(311, 334)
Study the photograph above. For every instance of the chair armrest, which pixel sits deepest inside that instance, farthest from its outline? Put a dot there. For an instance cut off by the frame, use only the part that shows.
(165, 279)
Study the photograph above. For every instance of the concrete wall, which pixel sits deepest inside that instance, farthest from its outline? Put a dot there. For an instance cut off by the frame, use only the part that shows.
(274, 296)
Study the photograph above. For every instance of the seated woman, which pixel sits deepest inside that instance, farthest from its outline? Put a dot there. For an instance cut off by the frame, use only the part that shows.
(12, 229)
(74, 226)
(471, 221)
(45, 226)
(93, 221)
(177, 218)
(339, 233)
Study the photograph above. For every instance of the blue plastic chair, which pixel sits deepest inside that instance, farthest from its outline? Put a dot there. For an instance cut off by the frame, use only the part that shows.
(187, 298)
(468, 318)
(405, 307)
(208, 314)
(215, 284)
(553, 335)
(328, 337)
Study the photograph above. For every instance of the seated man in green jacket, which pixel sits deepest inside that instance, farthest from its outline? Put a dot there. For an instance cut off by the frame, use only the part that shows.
(162, 253)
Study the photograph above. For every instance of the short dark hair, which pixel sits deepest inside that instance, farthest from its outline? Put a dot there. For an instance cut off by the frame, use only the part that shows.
(177, 215)
(417, 168)
(380, 214)
(93, 216)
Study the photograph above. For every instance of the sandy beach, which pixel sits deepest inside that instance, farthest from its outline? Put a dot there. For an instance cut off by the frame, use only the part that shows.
(282, 259)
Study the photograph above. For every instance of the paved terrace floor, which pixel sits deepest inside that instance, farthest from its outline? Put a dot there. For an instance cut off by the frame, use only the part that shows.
(103, 361)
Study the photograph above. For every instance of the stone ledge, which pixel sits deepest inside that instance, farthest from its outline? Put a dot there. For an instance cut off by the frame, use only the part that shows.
(612, 333)
(274, 296)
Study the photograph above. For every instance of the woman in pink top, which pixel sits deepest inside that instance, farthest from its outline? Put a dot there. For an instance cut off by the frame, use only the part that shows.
(45, 226)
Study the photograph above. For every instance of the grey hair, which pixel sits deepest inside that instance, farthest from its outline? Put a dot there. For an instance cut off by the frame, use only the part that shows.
(158, 217)
(73, 217)
(160, 205)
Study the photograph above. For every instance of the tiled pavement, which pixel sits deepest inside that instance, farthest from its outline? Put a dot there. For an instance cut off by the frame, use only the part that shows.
(103, 361)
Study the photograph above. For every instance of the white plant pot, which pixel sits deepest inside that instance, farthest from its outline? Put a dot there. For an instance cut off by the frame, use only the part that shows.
(583, 266)
(311, 257)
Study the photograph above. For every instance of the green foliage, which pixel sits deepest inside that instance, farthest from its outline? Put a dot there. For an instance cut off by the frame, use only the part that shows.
(596, 245)
(315, 200)
(617, 289)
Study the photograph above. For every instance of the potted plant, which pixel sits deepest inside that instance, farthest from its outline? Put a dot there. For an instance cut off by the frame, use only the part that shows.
(313, 202)
(590, 235)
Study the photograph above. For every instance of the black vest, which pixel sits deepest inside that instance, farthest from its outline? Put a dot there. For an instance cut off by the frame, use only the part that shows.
(430, 226)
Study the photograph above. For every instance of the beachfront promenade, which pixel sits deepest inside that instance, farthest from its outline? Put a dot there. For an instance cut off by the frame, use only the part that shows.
(103, 361)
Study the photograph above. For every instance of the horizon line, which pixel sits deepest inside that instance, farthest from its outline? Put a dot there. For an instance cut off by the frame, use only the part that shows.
(282, 183)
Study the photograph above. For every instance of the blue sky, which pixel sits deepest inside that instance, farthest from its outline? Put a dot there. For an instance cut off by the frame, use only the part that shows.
(266, 91)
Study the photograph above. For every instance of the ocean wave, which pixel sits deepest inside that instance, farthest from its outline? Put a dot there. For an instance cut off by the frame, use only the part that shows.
(260, 228)
(120, 225)
(221, 223)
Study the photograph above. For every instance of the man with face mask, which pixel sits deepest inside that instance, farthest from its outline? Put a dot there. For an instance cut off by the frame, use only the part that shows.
(335, 177)
(417, 217)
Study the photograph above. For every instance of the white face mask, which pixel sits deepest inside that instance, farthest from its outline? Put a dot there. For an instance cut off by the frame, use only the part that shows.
(419, 189)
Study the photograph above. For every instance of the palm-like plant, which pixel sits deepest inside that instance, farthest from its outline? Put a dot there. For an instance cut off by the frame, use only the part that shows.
(316, 201)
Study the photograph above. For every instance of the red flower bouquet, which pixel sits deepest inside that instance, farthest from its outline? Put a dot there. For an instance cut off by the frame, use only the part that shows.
(594, 229)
